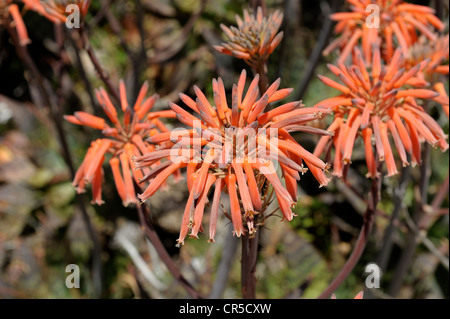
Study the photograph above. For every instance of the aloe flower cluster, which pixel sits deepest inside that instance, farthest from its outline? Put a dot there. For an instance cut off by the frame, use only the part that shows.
(235, 147)
(376, 102)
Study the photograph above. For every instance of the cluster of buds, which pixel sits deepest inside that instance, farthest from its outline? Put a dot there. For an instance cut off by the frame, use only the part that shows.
(255, 38)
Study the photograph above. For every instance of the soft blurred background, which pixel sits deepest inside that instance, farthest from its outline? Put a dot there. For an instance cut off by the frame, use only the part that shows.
(168, 43)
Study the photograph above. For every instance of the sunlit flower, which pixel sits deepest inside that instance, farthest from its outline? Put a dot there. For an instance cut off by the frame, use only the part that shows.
(56, 10)
(399, 22)
(9, 9)
(255, 38)
(376, 103)
(123, 140)
(432, 73)
(236, 148)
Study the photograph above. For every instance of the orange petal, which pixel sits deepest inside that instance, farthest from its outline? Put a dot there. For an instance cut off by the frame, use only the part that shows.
(258, 109)
(378, 141)
(20, 25)
(131, 151)
(97, 185)
(236, 215)
(419, 93)
(159, 180)
(108, 107)
(141, 96)
(390, 162)
(215, 209)
(301, 152)
(128, 181)
(234, 107)
(123, 95)
(199, 209)
(370, 159)
(334, 84)
(118, 180)
(291, 185)
(398, 142)
(350, 141)
(252, 186)
(187, 221)
(352, 42)
(286, 108)
(146, 106)
(207, 106)
(280, 95)
(415, 141)
(275, 42)
(404, 136)
(90, 120)
(243, 187)
(96, 160)
(251, 95)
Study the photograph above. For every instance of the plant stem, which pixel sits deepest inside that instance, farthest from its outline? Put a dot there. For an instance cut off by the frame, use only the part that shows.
(229, 250)
(37, 81)
(100, 71)
(150, 232)
(248, 268)
(316, 54)
(399, 194)
(263, 83)
(363, 237)
(411, 239)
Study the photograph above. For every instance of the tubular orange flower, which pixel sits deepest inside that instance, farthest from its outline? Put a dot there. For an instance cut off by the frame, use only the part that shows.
(382, 105)
(398, 22)
(55, 10)
(237, 147)
(124, 140)
(255, 38)
(8, 11)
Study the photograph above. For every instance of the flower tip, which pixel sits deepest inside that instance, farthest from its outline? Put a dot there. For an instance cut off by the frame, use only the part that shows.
(360, 295)
(97, 202)
(237, 233)
(346, 161)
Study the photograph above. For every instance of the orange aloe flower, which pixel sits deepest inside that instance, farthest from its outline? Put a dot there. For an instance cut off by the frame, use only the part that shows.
(254, 39)
(55, 10)
(123, 140)
(9, 9)
(437, 54)
(376, 103)
(398, 23)
(235, 147)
